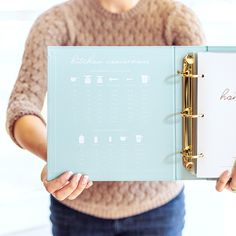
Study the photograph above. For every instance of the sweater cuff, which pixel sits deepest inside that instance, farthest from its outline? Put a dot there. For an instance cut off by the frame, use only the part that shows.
(15, 111)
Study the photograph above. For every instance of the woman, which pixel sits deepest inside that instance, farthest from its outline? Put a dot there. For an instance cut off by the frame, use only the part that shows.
(106, 208)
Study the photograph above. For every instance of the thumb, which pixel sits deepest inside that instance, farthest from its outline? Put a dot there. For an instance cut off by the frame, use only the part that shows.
(43, 173)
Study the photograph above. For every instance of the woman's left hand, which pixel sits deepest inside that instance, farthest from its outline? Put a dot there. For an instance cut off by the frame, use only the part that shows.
(227, 180)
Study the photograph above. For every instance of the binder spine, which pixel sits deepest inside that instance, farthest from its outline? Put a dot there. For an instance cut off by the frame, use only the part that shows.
(190, 113)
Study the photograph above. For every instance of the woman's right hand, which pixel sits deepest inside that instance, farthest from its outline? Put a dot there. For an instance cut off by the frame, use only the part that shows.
(67, 185)
(31, 134)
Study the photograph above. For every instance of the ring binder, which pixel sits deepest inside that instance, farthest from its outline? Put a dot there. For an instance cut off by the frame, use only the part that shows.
(92, 146)
(189, 113)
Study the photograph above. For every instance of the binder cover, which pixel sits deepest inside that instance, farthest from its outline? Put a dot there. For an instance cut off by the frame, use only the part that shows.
(116, 112)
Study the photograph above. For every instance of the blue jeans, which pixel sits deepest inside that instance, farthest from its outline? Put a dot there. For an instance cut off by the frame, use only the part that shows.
(167, 220)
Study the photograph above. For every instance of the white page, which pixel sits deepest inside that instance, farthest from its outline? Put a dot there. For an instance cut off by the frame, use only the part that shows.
(217, 100)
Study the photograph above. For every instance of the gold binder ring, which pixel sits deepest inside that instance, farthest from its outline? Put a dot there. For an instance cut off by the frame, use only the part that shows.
(187, 113)
(187, 153)
(192, 116)
(193, 156)
(189, 75)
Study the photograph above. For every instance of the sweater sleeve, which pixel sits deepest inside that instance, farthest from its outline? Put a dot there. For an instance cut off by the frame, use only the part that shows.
(183, 27)
(28, 94)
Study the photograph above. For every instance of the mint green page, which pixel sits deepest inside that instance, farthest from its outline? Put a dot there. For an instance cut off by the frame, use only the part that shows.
(112, 112)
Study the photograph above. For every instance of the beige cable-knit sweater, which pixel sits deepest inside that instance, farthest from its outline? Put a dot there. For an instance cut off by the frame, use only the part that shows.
(86, 22)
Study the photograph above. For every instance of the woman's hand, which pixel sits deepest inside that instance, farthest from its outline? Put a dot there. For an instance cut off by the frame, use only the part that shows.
(227, 180)
(30, 133)
(67, 185)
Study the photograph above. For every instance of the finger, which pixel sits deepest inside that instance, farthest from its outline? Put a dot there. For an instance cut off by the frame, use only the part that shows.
(222, 181)
(64, 192)
(81, 186)
(89, 184)
(232, 183)
(57, 183)
(43, 173)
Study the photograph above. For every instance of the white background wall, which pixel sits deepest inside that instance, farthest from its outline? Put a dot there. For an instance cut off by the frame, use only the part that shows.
(23, 201)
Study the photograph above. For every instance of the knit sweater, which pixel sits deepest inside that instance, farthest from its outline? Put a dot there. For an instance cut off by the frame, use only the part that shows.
(87, 22)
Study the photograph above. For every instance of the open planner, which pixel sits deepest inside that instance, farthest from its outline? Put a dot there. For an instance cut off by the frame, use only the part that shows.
(141, 113)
